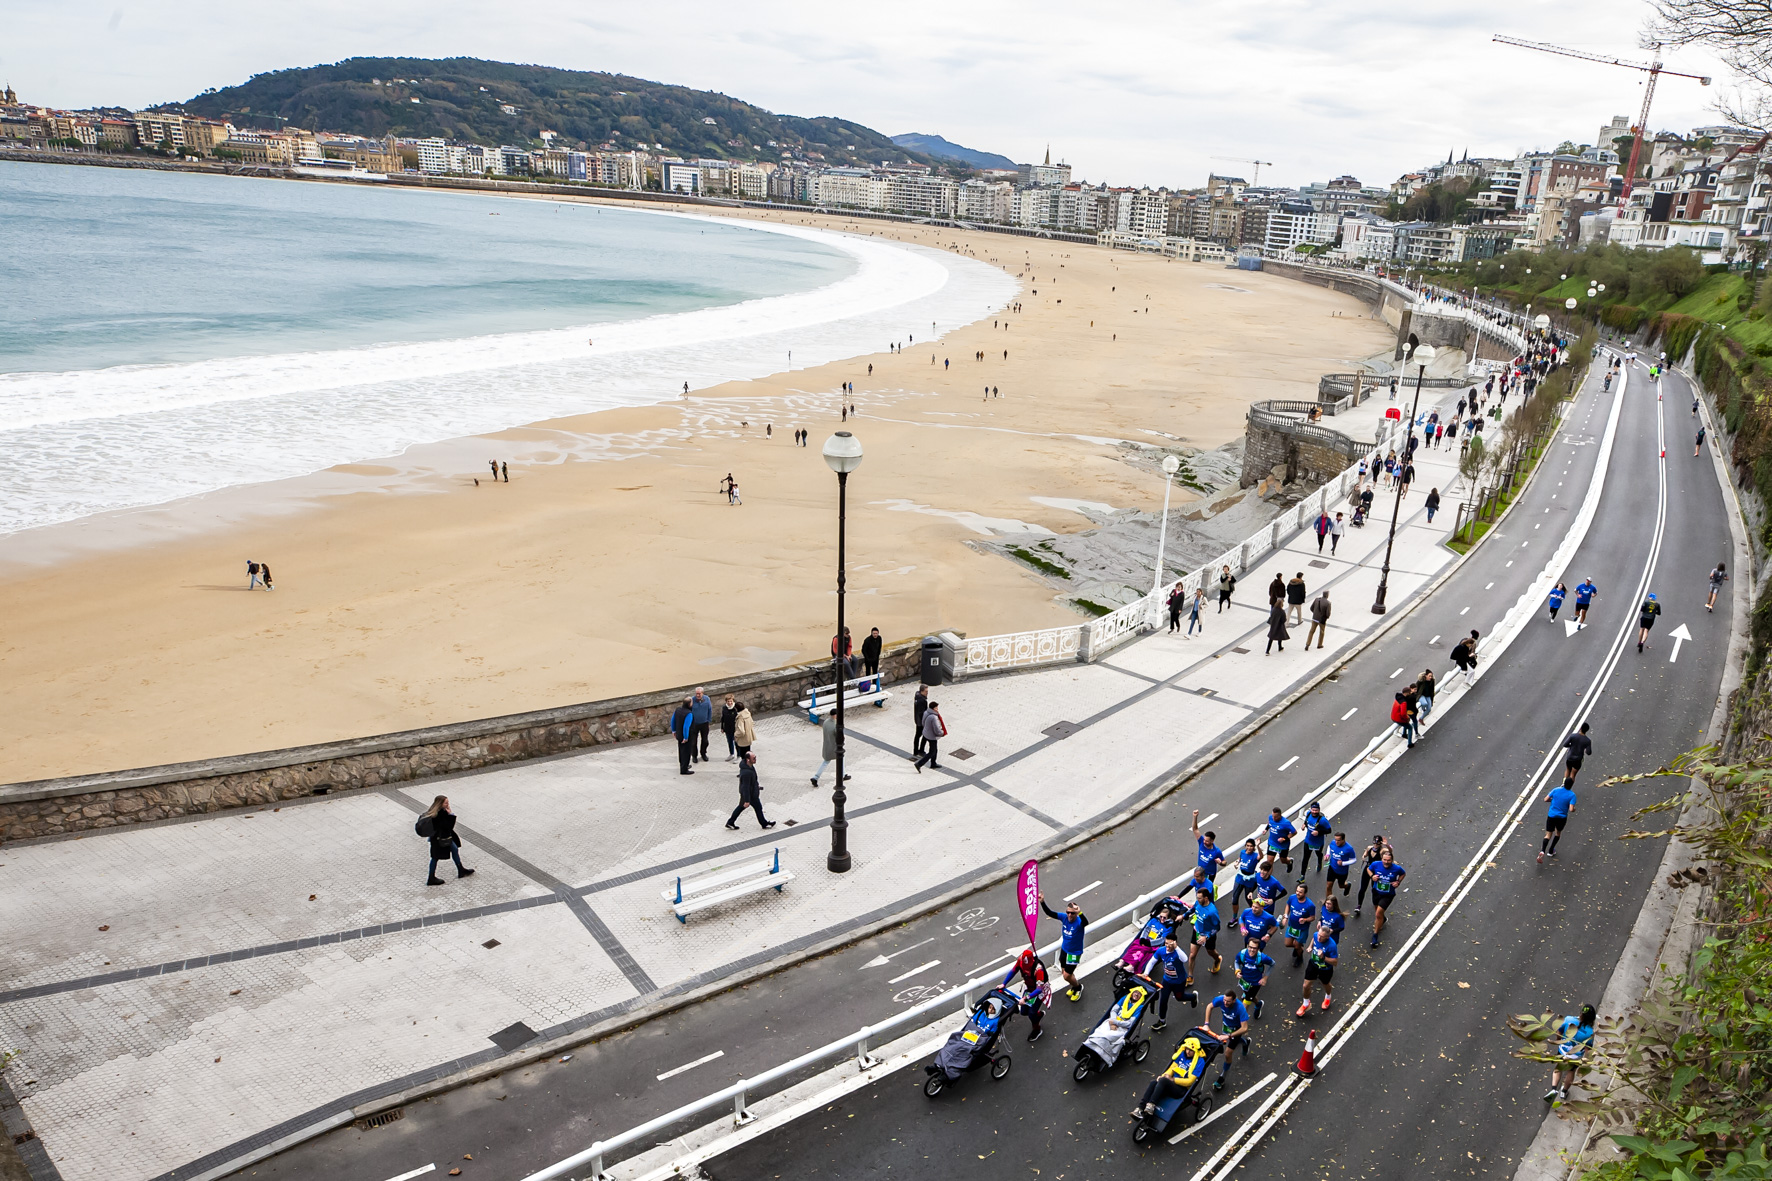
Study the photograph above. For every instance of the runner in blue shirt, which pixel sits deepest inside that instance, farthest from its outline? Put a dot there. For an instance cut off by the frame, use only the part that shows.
(1192, 887)
(1300, 912)
(1584, 596)
(1316, 833)
(1577, 1034)
(1280, 832)
(1256, 923)
(1371, 856)
(1562, 802)
(1268, 887)
(1071, 926)
(1205, 932)
(1233, 1021)
(1211, 856)
(1248, 861)
(1167, 973)
(1557, 594)
(1253, 966)
(1330, 916)
(1323, 954)
(1341, 856)
(1385, 874)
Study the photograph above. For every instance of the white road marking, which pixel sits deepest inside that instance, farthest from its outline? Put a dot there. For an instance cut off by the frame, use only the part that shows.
(881, 960)
(1680, 635)
(415, 1173)
(1466, 611)
(1433, 641)
(675, 1070)
(1491, 586)
(1396, 674)
(1209, 819)
(1288, 762)
(1248, 1094)
(1538, 526)
(914, 971)
(1083, 891)
(1510, 562)
(1350, 713)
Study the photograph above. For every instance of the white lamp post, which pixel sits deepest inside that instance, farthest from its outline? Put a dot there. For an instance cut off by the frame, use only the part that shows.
(1421, 355)
(1170, 466)
(842, 451)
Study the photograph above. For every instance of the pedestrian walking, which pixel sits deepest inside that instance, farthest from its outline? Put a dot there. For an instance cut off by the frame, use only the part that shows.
(251, 573)
(1577, 1033)
(1433, 504)
(729, 726)
(744, 731)
(1646, 620)
(870, 652)
(919, 705)
(1276, 590)
(1176, 601)
(1560, 802)
(437, 826)
(506, 467)
(1295, 593)
(493, 464)
(1464, 655)
(264, 572)
(1425, 684)
(1319, 619)
(1193, 618)
(1276, 627)
(828, 748)
(702, 707)
(1576, 747)
(1227, 582)
(1323, 527)
(683, 729)
(750, 794)
(1717, 578)
(1404, 719)
(934, 730)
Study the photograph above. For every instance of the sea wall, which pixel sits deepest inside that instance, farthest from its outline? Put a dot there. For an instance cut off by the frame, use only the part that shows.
(46, 807)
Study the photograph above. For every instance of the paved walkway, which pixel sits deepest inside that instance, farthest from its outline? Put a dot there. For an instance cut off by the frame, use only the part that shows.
(183, 992)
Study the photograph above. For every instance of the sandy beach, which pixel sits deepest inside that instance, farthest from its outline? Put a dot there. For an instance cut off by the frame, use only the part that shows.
(611, 563)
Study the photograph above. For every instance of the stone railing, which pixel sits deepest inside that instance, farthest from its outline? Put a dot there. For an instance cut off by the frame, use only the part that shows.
(1289, 417)
(1054, 645)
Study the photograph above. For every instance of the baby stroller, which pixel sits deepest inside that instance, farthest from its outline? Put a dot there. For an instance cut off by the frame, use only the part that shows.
(1137, 956)
(1155, 1123)
(1359, 518)
(1115, 1036)
(972, 1046)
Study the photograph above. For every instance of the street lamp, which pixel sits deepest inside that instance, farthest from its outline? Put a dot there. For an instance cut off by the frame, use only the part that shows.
(1569, 303)
(1171, 465)
(1421, 355)
(842, 451)
(1541, 321)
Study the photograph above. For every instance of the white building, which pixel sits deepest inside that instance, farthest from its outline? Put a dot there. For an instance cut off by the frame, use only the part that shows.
(988, 201)
(678, 176)
(854, 188)
(1295, 223)
(1367, 236)
(439, 157)
(924, 196)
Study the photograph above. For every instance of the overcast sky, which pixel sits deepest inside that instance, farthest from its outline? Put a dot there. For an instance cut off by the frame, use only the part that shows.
(1141, 95)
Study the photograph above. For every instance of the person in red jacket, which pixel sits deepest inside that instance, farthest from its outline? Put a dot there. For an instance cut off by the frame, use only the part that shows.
(1404, 717)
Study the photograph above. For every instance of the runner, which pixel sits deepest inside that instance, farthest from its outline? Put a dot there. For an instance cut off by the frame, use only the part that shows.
(1248, 862)
(1584, 595)
(1233, 1023)
(1168, 970)
(1072, 925)
(1579, 746)
(1717, 578)
(1385, 874)
(1330, 916)
(1372, 854)
(1341, 855)
(1646, 620)
(1316, 833)
(1577, 1034)
(1253, 966)
(1698, 444)
(1280, 832)
(1562, 802)
(1256, 923)
(1211, 856)
(1324, 952)
(1557, 594)
(1300, 913)
(1268, 888)
(1205, 933)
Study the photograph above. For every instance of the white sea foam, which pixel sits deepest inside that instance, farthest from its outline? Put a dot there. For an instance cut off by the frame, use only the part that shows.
(91, 441)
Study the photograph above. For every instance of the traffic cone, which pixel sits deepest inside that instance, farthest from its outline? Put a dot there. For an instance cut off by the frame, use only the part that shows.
(1307, 1061)
(1664, 453)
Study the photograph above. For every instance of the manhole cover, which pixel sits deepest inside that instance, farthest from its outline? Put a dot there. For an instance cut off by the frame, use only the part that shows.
(490, 944)
(1241, 651)
(1319, 563)
(1061, 729)
(381, 1118)
(962, 753)
(512, 1036)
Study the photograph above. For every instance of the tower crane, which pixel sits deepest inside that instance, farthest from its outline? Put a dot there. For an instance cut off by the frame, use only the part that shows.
(1255, 180)
(1654, 70)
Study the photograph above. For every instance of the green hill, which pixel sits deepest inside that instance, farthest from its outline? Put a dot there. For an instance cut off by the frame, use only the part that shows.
(492, 103)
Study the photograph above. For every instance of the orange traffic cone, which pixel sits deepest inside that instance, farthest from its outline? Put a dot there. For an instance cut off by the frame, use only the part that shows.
(1307, 1061)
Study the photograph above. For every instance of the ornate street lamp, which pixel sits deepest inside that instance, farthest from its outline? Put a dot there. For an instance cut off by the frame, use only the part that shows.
(1421, 355)
(842, 451)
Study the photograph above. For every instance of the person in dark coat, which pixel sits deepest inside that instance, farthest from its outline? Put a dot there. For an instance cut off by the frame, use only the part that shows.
(729, 725)
(445, 845)
(870, 651)
(1276, 590)
(750, 794)
(683, 729)
(919, 703)
(1276, 625)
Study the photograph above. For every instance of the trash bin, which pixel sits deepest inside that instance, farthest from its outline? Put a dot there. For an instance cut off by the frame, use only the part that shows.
(929, 663)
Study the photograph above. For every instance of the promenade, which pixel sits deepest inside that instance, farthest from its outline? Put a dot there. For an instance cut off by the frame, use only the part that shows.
(183, 992)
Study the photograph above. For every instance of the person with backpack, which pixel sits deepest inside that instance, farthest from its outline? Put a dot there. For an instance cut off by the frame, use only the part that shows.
(437, 826)
(934, 730)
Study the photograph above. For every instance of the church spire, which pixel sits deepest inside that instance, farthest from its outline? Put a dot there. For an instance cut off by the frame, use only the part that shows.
(1048, 154)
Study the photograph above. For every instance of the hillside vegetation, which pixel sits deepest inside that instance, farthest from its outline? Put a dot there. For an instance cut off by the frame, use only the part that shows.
(485, 102)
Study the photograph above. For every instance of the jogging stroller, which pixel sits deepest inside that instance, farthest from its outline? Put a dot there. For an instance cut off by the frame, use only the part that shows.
(1115, 1036)
(1149, 1123)
(973, 1045)
(1137, 956)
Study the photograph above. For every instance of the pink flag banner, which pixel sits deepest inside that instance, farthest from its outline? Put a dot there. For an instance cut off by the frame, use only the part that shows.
(1027, 892)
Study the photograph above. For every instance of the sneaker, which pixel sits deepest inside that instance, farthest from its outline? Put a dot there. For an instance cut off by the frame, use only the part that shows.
(733, 827)
(1217, 963)
(1035, 1035)
(686, 771)
(1075, 994)
(1193, 998)
(1326, 1001)
(1304, 1009)
(1375, 941)
(814, 781)
(1541, 857)
(1160, 1025)
(1356, 912)
(1219, 1085)
(1550, 1096)
(1259, 1006)
(466, 873)
(434, 882)
(771, 824)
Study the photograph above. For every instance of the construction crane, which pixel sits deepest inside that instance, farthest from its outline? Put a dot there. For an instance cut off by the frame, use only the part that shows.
(1256, 179)
(1641, 130)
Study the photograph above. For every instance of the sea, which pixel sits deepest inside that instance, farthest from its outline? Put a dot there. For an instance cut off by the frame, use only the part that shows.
(164, 335)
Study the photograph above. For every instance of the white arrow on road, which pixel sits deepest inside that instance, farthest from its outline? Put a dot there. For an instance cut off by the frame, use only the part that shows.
(1679, 634)
(1570, 627)
(880, 961)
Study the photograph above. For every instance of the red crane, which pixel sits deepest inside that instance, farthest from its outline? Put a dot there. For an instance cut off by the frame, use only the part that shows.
(1641, 130)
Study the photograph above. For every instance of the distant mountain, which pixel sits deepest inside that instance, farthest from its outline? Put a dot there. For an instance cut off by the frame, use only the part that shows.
(934, 145)
(492, 103)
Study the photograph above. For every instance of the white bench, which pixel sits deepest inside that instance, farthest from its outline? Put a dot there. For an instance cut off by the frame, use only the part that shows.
(869, 690)
(723, 885)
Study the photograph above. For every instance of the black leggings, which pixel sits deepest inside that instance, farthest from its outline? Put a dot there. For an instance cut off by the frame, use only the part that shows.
(1305, 865)
(1365, 881)
(1224, 599)
(1163, 1089)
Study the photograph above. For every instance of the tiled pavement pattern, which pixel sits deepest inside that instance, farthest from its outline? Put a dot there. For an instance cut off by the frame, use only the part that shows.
(183, 992)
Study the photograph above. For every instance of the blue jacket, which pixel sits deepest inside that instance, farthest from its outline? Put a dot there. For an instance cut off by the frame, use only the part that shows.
(703, 710)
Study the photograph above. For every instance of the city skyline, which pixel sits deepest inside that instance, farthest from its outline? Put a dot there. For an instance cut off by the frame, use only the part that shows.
(986, 89)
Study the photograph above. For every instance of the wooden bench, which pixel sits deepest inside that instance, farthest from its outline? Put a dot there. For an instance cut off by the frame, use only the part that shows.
(723, 885)
(869, 690)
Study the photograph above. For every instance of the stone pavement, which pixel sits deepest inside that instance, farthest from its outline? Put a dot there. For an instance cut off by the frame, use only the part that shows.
(183, 992)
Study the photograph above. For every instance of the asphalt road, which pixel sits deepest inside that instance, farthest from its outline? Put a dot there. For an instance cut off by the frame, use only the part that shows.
(1433, 1058)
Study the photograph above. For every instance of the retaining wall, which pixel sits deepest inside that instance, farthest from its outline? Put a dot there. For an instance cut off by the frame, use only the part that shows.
(45, 807)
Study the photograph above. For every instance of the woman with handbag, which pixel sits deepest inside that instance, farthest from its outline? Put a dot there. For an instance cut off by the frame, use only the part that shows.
(438, 826)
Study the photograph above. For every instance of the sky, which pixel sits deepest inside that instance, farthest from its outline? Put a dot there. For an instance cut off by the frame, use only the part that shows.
(1148, 94)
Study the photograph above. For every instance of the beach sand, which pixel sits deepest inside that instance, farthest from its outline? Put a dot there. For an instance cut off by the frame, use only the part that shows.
(610, 563)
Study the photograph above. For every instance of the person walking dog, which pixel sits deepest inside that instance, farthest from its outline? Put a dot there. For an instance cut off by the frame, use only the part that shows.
(437, 826)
